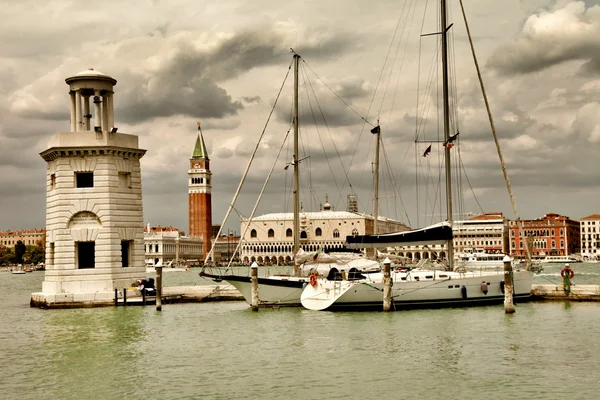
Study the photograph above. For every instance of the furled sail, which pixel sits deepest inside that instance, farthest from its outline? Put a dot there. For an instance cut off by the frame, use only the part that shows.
(435, 234)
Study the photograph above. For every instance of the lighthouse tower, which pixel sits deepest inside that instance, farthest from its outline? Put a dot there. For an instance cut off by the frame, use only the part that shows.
(94, 218)
(199, 194)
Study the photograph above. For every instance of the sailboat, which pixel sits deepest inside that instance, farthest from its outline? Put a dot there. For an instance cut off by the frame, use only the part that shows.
(285, 290)
(418, 287)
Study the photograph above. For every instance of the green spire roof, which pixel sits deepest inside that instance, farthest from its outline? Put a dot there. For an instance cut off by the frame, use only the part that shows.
(200, 147)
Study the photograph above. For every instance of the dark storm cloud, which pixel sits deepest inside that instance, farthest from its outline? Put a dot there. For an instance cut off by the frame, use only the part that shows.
(189, 83)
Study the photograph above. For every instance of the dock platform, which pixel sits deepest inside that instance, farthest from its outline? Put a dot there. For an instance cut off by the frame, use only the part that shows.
(184, 294)
(556, 292)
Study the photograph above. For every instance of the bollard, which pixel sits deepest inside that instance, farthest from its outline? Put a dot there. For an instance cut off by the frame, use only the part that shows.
(387, 285)
(159, 288)
(254, 274)
(509, 306)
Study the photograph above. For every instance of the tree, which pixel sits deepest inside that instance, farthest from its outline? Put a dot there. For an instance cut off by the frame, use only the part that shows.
(34, 254)
(8, 257)
(20, 250)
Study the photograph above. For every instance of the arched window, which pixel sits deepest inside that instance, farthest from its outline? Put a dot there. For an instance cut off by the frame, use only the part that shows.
(288, 232)
(271, 233)
(318, 232)
(303, 235)
(336, 233)
(253, 233)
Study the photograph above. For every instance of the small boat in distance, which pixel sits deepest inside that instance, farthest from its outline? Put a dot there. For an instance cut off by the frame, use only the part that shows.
(561, 259)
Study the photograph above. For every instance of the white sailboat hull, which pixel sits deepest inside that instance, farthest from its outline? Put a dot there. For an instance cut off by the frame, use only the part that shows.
(447, 289)
(282, 291)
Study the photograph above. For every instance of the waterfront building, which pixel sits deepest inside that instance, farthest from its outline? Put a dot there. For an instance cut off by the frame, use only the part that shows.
(27, 236)
(269, 239)
(94, 216)
(590, 237)
(550, 235)
(199, 194)
(165, 244)
(487, 231)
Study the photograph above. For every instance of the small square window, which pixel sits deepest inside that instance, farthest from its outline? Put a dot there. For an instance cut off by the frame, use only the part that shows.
(125, 180)
(84, 179)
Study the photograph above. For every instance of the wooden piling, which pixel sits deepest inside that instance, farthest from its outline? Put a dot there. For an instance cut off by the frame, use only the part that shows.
(116, 297)
(254, 274)
(159, 288)
(509, 306)
(387, 285)
(124, 296)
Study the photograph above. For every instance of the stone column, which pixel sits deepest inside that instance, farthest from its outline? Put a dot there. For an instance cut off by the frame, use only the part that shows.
(73, 113)
(105, 113)
(97, 112)
(78, 109)
(111, 112)
(86, 111)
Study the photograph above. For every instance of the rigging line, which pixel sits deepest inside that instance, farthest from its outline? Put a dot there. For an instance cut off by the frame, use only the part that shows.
(330, 136)
(470, 186)
(336, 95)
(417, 154)
(396, 187)
(395, 95)
(503, 165)
(248, 166)
(372, 98)
(395, 54)
(257, 201)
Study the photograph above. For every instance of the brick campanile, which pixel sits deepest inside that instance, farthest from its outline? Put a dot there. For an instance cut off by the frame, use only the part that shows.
(199, 193)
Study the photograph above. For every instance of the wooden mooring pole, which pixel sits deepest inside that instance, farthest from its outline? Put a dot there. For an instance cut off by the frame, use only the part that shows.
(159, 288)
(509, 306)
(254, 274)
(387, 285)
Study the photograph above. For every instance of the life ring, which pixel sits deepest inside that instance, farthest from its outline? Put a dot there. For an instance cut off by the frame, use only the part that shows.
(313, 279)
(567, 270)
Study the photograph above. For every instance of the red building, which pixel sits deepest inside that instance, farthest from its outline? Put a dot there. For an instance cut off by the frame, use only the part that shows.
(551, 235)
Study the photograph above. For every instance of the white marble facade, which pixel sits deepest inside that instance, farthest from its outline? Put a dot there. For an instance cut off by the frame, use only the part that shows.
(94, 216)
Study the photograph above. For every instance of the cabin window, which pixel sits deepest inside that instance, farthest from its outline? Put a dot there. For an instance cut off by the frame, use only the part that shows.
(429, 277)
(288, 232)
(85, 254)
(84, 179)
(253, 233)
(318, 232)
(336, 233)
(271, 233)
(126, 246)
(444, 276)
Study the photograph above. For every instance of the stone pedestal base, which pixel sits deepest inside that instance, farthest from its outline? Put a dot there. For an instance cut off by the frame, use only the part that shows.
(72, 300)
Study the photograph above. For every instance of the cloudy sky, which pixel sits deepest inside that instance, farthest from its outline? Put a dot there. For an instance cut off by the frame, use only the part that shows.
(222, 63)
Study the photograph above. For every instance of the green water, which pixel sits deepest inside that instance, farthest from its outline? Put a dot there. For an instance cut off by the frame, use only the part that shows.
(547, 350)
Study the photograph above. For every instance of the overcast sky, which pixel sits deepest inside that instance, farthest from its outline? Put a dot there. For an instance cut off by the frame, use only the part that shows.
(222, 63)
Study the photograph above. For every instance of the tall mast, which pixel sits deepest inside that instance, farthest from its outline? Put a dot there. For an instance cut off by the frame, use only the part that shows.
(376, 200)
(446, 127)
(296, 229)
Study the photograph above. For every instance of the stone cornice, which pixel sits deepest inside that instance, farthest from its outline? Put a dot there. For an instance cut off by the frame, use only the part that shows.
(55, 152)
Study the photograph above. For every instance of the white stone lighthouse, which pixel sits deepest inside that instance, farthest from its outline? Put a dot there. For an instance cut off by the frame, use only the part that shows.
(94, 216)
